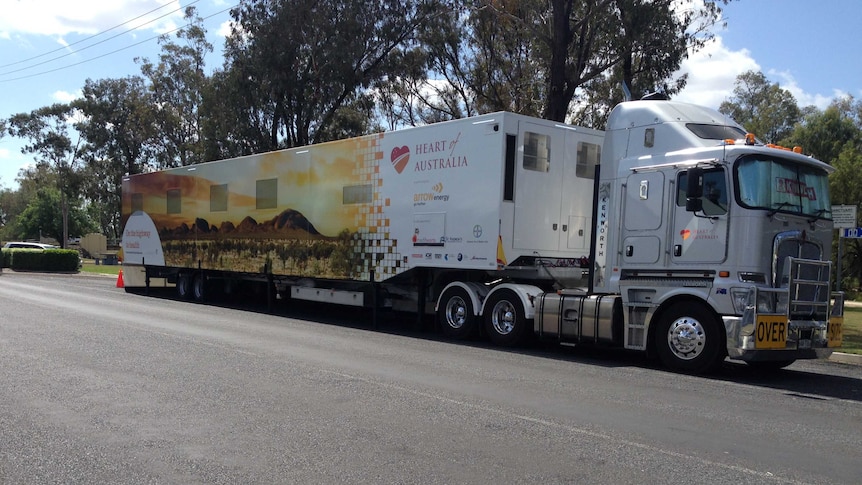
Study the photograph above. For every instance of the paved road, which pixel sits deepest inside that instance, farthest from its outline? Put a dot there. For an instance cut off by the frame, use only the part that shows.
(100, 386)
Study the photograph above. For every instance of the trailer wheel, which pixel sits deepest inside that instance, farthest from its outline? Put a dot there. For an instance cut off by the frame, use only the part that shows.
(199, 286)
(456, 315)
(689, 339)
(505, 323)
(184, 285)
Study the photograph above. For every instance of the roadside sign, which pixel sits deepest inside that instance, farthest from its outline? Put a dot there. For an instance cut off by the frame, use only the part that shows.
(853, 232)
(844, 216)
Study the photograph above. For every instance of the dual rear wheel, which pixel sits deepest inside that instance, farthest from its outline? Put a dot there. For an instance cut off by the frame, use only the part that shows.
(504, 321)
(192, 285)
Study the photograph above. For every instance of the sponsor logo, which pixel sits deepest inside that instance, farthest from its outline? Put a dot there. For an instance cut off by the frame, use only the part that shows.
(437, 154)
(436, 195)
(477, 231)
(400, 157)
(698, 234)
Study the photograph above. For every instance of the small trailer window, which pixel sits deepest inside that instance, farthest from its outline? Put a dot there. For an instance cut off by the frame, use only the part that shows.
(589, 155)
(174, 201)
(137, 202)
(218, 198)
(267, 194)
(356, 194)
(537, 152)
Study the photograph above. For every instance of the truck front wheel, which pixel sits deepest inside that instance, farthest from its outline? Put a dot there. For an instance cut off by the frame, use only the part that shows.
(456, 314)
(505, 322)
(688, 338)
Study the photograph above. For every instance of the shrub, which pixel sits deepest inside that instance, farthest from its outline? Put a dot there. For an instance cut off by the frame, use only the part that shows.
(38, 260)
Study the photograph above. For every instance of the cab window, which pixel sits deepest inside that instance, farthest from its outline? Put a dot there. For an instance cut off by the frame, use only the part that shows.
(714, 191)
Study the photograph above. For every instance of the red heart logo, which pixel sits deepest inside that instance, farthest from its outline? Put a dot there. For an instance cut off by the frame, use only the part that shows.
(685, 233)
(400, 156)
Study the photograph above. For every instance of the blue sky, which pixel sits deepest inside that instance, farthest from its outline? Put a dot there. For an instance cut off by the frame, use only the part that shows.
(810, 48)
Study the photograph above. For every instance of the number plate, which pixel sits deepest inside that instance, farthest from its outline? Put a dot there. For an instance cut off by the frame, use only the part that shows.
(771, 332)
(835, 331)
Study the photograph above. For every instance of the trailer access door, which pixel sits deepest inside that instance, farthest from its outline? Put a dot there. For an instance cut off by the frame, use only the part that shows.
(553, 187)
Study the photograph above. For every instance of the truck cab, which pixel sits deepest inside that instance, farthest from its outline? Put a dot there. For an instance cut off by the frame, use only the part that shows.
(720, 238)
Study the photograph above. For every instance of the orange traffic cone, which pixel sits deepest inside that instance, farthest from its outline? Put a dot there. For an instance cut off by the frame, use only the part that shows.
(120, 283)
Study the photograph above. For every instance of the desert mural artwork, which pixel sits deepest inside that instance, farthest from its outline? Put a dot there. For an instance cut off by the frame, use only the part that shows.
(374, 205)
(259, 214)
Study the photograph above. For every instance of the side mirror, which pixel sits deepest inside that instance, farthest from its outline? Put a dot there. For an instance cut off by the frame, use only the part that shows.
(694, 190)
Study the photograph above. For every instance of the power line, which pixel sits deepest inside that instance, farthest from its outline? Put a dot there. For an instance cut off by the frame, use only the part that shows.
(96, 35)
(112, 52)
(91, 45)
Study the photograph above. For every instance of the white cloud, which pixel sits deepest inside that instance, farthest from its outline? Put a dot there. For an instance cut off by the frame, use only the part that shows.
(65, 96)
(712, 72)
(63, 17)
(786, 81)
(224, 29)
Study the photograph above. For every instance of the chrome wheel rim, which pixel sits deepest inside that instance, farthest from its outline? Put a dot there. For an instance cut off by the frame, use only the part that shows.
(456, 312)
(686, 338)
(503, 318)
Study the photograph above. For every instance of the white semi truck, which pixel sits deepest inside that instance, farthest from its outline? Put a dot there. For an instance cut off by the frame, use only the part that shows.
(673, 232)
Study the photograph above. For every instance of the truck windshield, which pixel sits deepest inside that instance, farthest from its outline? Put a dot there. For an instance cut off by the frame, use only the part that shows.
(779, 185)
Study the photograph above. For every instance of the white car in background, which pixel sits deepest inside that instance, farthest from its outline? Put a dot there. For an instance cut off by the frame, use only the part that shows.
(28, 245)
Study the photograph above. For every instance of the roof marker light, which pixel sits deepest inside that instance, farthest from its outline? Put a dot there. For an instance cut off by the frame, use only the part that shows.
(749, 139)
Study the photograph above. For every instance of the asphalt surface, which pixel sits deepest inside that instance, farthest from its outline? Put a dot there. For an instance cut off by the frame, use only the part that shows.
(100, 386)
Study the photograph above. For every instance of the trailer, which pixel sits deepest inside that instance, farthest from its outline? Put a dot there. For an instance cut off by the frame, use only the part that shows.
(673, 232)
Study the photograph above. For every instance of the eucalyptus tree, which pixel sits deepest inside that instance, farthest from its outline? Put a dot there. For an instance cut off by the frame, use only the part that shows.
(177, 83)
(556, 58)
(119, 126)
(762, 107)
(55, 150)
(292, 67)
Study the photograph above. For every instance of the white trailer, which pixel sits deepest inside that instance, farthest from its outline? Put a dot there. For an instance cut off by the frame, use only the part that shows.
(673, 232)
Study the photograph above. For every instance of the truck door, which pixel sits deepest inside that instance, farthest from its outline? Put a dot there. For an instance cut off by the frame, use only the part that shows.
(538, 188)
(701, 237)
(643, 215)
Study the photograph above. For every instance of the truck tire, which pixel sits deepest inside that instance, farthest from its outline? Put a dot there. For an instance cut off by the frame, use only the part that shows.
(199, 287)
(688, 338)
(184, 285)
(456, 314)
(505, 322)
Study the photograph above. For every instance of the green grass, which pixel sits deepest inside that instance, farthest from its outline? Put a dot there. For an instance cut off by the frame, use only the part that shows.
(90, 266)
(852, 342)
